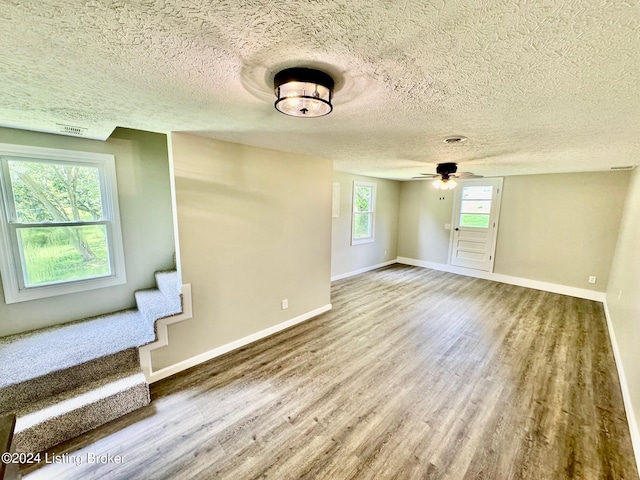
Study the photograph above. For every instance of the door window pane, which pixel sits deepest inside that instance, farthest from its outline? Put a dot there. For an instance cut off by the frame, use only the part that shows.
(475, 207)
(474, 220)
(477, 192)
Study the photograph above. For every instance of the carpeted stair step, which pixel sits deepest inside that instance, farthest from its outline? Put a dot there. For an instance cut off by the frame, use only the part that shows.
(152, 305)
(168, 284)
(36, 354)
(65, 380)
(44, 424)
(17, 395)
(156, 303)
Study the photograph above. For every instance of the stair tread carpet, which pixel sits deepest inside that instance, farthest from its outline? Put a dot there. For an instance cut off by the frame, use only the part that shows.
(70, 400)
(67, 345)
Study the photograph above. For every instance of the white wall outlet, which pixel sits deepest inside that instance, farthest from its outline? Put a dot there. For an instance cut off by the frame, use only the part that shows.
(592, 279)
(285, 303)
(447, 226)
(385, 254)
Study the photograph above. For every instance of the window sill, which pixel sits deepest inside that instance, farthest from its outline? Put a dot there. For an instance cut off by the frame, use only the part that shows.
(360, 241)
(46, 291)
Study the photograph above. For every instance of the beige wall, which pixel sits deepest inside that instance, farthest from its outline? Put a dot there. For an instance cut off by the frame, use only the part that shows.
(561, 228)
(142, 170)
(424, 211)
(254, 228)
(623, 293)
(347, 258)
(553, 228)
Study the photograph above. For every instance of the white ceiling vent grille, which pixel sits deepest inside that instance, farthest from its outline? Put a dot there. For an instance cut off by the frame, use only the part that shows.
(71, 129)
(626, 167)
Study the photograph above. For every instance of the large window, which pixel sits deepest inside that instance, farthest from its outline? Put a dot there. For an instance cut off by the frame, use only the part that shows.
(364, 206)
(60, 227)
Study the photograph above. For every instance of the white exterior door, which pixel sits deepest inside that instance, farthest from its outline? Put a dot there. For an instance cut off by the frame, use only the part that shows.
(475, 221)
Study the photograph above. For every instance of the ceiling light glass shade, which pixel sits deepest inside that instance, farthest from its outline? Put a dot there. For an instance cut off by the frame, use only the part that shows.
(303, 92)
(447, 184)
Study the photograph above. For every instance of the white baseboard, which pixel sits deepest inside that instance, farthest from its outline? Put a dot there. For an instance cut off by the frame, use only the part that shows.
(363, 270)
(626, 395)
(519, 281)
(154, 376)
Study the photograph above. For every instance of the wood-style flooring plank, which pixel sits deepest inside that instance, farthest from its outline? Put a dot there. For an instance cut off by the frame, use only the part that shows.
(414, 374)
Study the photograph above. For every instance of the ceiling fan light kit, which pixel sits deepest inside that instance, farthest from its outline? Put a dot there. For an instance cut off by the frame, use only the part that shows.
(303, 92)
(445, 184)
(445, 174)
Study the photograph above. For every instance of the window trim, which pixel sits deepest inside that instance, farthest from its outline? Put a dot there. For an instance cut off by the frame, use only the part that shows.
(10, 258)
(372, 212)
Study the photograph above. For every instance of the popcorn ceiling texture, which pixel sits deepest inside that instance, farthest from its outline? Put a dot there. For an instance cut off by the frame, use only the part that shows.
(537, 86)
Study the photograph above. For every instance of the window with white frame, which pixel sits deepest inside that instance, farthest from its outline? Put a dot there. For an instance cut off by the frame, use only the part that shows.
(363, 219)
(59, 222)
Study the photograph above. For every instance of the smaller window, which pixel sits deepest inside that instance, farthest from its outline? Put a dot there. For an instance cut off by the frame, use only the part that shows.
(364, 206)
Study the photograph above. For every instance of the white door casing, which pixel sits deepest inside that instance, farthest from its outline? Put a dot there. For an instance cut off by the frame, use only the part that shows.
(476, 212)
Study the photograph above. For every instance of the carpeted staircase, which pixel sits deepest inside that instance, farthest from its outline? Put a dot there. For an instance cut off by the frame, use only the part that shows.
(68, 379)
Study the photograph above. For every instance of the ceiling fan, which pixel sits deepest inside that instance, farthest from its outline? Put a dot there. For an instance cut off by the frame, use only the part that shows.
(445, 173)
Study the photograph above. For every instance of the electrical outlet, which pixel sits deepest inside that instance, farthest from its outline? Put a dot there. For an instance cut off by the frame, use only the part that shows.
(592, 279)
(285, 303)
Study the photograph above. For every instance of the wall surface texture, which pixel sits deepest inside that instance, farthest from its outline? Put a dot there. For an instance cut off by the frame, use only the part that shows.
(623, 293)
(553, 228)
(424, 211)
(142, 170)
(347, 258)
(254, 228)
(561, 228)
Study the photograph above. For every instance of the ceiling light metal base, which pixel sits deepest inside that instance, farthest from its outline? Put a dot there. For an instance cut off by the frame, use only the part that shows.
(303, 92)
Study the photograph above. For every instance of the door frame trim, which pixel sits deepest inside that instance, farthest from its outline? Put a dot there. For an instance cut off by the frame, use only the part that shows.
(456, 207)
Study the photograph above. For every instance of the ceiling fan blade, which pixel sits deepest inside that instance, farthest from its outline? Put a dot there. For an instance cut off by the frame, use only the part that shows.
(428, 175)
(467, 175)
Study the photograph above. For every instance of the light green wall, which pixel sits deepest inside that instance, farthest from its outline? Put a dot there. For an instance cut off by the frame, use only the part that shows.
(347, 258)
(142, 171)
(558, 228)
(254, 228)
(623, 293)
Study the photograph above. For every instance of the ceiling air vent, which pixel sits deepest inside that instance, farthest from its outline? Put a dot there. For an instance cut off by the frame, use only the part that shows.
(71, 129)
(625, 167)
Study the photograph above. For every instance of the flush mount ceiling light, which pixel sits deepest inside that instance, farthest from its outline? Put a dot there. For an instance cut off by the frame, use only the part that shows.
(303, 92)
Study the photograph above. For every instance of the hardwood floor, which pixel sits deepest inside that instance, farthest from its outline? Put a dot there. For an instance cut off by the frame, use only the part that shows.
(415, 373)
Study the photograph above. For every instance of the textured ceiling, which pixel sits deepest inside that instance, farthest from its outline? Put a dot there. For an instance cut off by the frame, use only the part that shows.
(537, 86)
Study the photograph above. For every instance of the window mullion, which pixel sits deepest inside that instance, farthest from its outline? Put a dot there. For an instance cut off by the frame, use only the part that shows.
(59, 224)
